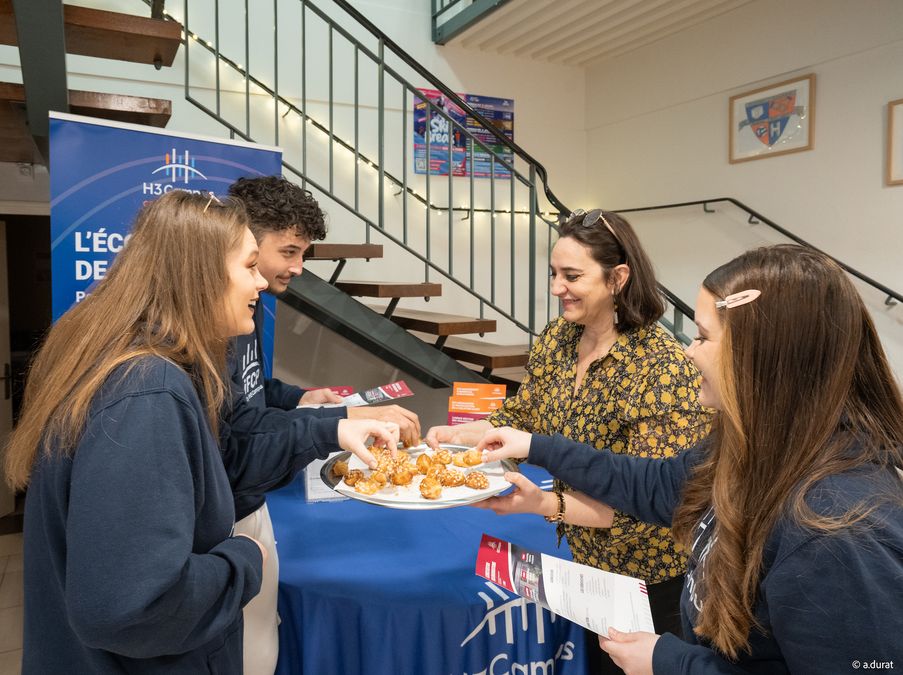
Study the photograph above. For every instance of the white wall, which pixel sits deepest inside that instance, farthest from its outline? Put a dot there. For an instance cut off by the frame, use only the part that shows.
(657, 122)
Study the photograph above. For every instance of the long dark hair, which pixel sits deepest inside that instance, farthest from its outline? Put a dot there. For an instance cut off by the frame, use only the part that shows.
(806, 393)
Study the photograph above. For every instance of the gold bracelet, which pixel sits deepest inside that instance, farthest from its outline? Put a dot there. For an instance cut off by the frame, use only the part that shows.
(558, 517)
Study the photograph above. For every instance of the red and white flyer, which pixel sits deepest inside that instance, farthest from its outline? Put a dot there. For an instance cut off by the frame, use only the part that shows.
(387, 392)
(593, 598)
(350, 399)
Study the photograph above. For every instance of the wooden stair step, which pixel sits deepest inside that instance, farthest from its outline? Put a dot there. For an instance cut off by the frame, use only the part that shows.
(343, 251)
(16, 144)
(488, 355)
(390, 289)
(109, 35)
(436, 323)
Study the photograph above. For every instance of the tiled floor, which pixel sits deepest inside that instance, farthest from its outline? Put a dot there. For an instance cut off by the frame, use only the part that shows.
(10, 604)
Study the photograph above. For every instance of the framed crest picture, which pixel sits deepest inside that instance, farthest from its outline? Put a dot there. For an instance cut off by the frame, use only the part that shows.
(895, 142)
(773, 120)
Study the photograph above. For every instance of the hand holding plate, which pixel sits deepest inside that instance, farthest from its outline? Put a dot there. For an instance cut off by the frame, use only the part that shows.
(527, 497)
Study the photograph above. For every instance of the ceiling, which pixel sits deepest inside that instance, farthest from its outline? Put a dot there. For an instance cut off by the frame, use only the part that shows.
(579, 32)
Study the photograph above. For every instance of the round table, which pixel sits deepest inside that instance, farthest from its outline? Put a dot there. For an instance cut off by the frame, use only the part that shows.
(367, 590)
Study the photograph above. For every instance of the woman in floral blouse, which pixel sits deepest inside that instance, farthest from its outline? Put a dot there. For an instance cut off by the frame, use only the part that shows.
(606, 374)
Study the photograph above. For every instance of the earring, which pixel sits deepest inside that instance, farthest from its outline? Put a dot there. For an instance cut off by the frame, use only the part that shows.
(614, 299)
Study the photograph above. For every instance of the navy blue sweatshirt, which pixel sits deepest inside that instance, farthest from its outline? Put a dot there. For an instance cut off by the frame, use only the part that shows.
(130, 566)
(264, 431)
(824, 602)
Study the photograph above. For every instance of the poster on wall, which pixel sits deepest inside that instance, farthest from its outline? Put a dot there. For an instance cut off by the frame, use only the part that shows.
(773, 120)
(103, 172)
(433, 128)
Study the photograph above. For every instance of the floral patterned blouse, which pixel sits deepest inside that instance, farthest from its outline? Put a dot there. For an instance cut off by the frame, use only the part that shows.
(638, 399)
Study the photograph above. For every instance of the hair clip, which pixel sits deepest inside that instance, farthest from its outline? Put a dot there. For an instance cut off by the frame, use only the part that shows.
(737, 299)
(209, 201)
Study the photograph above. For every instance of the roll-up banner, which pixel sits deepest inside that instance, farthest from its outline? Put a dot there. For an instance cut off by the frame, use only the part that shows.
(103, 172)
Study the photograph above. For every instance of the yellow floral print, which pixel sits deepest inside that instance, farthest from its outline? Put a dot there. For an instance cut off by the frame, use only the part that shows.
(639, 399)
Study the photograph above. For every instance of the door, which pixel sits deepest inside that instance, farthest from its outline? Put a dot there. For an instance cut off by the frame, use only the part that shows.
(7, 498)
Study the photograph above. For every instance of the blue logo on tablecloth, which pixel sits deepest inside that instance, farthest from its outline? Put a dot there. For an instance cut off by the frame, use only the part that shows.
(509, 617)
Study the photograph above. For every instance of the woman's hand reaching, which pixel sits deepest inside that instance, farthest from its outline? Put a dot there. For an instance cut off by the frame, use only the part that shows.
(504, 443)
(353, 435)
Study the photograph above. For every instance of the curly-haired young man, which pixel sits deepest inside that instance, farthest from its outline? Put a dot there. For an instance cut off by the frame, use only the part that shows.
(285, 219)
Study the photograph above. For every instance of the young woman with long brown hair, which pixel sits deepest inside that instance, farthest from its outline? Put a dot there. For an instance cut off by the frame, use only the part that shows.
(793, 507)
(130, 565)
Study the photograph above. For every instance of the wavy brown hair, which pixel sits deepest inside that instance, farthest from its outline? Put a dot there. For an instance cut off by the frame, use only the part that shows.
(806, 393)
(163, 296)
(639, 301)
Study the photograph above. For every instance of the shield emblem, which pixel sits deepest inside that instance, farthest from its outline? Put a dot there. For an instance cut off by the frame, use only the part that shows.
(768, 117)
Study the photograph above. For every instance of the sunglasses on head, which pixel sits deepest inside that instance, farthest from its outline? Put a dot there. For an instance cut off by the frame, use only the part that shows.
(589, 220)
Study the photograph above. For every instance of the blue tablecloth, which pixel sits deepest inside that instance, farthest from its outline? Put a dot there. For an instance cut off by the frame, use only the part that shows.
(366, 590)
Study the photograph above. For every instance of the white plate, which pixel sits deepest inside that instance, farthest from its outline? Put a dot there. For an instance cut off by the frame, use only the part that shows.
(408, 496)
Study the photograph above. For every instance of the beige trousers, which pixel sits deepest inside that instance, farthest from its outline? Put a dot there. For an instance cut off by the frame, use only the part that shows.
(261, 638)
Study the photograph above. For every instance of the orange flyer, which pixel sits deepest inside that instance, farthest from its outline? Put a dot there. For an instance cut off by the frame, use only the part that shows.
(475, 390)
(474, 405)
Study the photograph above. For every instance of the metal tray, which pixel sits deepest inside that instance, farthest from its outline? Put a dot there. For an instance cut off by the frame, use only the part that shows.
(408, 497)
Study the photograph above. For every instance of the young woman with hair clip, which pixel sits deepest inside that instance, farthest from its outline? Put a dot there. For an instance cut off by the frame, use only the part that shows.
(606, 374)
(130, 562)
(793, 507)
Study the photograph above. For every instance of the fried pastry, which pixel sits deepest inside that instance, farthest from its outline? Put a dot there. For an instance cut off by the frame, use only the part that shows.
(367, 487)
(441, 469)
(353, 476)
(424, 463)
(430, 488)
(476, 480)
(472, 457)
(402, 477)
(451, 478)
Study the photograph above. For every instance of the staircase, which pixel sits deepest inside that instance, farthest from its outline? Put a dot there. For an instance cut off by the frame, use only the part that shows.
(433, 328)
(339, 94)
(466, 257)
(88, 32)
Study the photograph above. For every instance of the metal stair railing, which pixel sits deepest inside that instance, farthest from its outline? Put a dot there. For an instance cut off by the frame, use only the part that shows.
(505, 198)
(892, 297)
(511, 192)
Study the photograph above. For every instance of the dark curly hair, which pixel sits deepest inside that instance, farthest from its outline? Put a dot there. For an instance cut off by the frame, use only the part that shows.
(275, 204)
